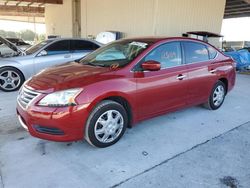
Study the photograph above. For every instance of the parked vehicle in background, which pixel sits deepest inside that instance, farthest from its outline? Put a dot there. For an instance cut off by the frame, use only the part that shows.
(19, 42)
(121, 84)
(5, 50)
(15, 68)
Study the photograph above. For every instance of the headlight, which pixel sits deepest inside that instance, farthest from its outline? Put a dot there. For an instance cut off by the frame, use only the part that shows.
(60, 98)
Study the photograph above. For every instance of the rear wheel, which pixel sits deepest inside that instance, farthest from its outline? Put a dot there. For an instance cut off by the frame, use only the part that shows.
(217, 96)
(11, 79)
(106, 124)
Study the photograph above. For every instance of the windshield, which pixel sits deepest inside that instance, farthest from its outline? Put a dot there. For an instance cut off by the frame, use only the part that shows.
(117, 54)
(37, 47)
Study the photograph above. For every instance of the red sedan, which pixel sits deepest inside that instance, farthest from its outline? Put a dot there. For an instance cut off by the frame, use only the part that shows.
(122, 83)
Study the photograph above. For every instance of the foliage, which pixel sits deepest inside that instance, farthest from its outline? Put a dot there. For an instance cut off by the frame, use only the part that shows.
(26, 35)
(2, 33)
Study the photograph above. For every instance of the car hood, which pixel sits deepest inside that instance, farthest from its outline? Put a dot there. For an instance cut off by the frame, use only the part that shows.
(67, 76)
(11, 46)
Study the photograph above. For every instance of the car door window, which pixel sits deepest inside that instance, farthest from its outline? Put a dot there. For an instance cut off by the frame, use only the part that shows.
(59, 47)
(212, 52)
(80, 45)
(169, 55)
(195, 52)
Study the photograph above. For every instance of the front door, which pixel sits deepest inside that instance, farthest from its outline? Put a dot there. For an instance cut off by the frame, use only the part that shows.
(166, 89)
(55, 54)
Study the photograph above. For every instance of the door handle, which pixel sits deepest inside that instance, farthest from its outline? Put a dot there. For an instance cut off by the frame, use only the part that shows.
(212, 71)
(181, 77)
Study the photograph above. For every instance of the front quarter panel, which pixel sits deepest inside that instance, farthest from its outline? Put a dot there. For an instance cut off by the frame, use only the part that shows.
(118, 87)
(22, 63)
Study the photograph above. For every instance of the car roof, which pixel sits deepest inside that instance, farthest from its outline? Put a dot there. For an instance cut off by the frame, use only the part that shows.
(57, 39)
(68, 38)
(161, 39)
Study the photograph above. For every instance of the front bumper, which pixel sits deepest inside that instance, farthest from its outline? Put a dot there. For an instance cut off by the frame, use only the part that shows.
(55, 124)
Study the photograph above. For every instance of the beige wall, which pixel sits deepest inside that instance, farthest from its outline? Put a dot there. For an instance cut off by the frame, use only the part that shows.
(58, 19)
(137, 17)
(151, 17)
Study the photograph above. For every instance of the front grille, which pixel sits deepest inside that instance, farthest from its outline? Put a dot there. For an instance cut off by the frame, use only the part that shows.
(26, 96)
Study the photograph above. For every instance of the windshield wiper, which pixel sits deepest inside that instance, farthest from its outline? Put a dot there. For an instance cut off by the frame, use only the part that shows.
(94, 64)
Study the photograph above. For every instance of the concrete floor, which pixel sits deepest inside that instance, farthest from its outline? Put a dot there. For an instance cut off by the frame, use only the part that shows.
(194, 147)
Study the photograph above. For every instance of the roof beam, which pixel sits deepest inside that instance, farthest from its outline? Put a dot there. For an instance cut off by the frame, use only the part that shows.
(22, 11)
(247, 1)
(41, 1)
(237, 8)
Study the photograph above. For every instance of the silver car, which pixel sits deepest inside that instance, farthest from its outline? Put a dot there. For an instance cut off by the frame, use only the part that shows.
(15, 68)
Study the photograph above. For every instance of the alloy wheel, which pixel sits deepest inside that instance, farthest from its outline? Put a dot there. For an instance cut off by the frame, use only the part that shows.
(9, 80)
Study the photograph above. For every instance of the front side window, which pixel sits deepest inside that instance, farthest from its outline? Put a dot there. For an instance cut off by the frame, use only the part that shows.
(195, 52)
(118, 53)
(169, 55)
(59, 47)
(37, 47)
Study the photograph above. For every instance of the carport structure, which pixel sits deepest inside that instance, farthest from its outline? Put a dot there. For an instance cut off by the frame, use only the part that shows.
(237, 8)
(23, 10)
(83, 18)
(25, 7)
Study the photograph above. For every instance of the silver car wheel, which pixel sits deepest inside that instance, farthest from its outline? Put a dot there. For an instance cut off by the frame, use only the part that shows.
(9, 80)
(218, 95)
(108, 126)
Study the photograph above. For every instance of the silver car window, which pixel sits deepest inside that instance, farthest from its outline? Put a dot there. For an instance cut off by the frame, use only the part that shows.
(37, 47)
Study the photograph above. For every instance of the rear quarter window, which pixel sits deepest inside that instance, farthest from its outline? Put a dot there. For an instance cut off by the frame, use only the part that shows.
(212, 52)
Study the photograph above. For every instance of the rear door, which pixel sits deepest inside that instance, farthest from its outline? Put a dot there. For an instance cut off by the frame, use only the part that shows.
(201, 70)
(80, 48)
(166, 89)
(56, 53)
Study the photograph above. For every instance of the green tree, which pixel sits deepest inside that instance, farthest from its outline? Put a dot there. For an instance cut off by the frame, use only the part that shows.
(11, 34)
(2, 33)
(27, 35)
(41, 37)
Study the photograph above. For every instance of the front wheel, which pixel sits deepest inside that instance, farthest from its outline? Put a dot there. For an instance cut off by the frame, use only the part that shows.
(11, 79)
(217, 96)
(106, 124)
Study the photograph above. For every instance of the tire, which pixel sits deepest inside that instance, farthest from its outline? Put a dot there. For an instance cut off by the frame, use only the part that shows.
(11, 79)
(219, 91)
(106, 124)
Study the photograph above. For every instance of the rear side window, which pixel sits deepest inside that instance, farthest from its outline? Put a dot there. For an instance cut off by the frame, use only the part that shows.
(60, 47)
(212, 52)
(195, 52)
(79, 45)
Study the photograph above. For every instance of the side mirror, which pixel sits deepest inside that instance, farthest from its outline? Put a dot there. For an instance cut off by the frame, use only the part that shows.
(151, 65)
(42, 53)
